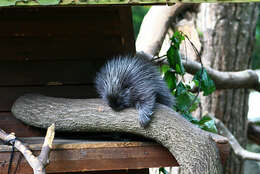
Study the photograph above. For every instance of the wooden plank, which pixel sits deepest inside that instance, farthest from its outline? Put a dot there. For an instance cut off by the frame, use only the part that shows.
(127, 30)
(130, 171)
(35, 73)
(10, 94)
(65, 33)
(52, 13)
(60, 48)
(123, 155)
(58, 22)
(10, 124)
(73, 25)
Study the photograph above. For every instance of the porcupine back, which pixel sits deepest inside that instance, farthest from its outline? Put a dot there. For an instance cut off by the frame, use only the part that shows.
(127, 81)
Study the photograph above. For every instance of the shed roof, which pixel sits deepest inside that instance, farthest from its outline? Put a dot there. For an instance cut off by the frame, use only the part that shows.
(8, 3)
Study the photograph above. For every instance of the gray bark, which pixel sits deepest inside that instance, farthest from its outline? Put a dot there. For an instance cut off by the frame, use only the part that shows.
(228, 39)
(150, 41)
(192, 147)
(228, 79)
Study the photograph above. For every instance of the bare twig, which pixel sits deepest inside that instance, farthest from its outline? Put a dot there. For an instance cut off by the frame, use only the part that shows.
(238, 150)
(37, 163)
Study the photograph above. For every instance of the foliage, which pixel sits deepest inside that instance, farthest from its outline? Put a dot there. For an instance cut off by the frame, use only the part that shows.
(187, 101)
(173, 54)
(256, 53)
(138, 13)
(73, 2)
(207, 85)
(163, 170)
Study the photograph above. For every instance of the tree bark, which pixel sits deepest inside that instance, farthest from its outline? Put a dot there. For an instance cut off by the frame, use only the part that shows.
(192, 147)
(228, 79)
(228, 39)
(150, 41)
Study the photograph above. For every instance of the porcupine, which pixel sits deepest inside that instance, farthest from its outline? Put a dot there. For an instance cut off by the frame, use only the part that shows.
(126, 81)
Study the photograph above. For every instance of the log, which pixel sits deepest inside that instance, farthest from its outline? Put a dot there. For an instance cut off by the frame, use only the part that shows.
(193, 148)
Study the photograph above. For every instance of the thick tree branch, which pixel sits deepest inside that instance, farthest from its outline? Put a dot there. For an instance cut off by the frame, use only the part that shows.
(192, 147)
(152, 32)
(227, 80)
(37, 163)
(238, 150)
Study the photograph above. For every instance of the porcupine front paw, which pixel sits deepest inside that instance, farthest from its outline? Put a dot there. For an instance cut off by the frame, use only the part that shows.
(145, 117)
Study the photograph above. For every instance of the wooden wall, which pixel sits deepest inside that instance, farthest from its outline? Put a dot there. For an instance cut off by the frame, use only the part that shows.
(56, 52)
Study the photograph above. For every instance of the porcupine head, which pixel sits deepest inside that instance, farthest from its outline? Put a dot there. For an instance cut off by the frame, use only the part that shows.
(119, 100)
(113, 93)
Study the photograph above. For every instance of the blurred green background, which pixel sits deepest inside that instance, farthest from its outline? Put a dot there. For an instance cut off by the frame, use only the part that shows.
(138, 15)
(256, 54)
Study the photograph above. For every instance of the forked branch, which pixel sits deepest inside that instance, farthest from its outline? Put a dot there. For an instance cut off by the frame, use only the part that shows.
(39, 163)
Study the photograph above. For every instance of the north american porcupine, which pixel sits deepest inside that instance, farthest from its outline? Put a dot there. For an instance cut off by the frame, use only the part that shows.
(126, 81)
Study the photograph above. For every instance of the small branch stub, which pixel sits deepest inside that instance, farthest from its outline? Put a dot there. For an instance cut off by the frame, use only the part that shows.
(239, 151)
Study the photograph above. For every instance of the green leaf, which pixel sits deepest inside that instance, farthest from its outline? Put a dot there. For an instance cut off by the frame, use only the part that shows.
(66, 2)
(208, 124)
(207, 84)
(204, 119)
(173, 54)
(181, 89)
(185, 99)
(170, 57)
(174, 60)
(163, 170)
(184, 102)
(177, 38)
(8, 2)
(170, 78)
(164, 69)
(27, 3)
(190, 118)
(179, 65)
(48, 2)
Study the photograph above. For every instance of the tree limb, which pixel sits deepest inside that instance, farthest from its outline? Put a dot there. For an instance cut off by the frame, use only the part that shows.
(192, 147)
(37, 163)
(158, 19)
(227, 80)
(223, 80)
(238, 150)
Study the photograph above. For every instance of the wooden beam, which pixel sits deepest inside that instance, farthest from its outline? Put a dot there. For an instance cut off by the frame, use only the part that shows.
(5, 3)
(84, 155)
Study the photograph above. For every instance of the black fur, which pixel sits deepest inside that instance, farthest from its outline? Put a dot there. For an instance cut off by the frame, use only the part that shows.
(133, 82)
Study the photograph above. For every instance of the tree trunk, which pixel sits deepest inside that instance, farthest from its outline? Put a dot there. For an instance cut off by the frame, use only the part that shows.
(228, 39)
